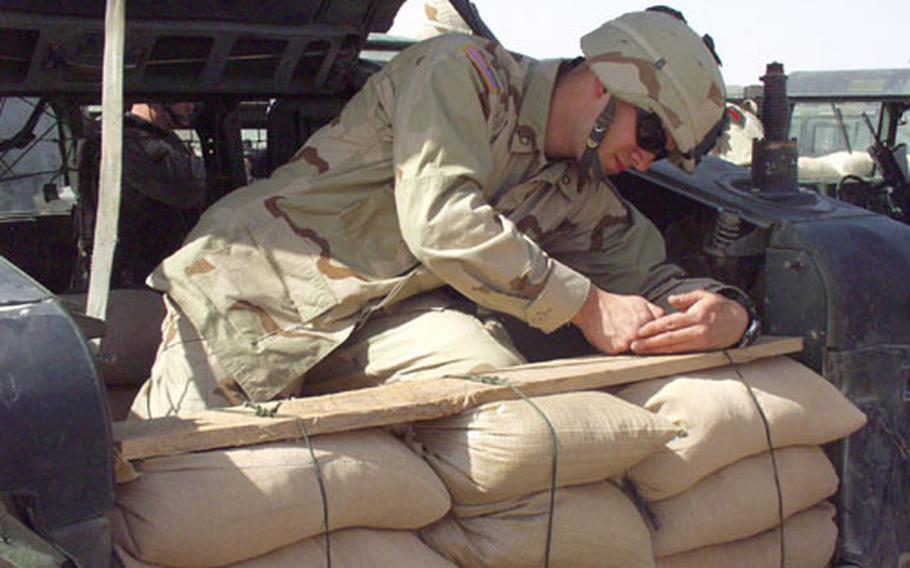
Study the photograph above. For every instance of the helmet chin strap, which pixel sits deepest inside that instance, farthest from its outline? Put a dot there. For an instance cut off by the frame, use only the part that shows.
(590, 161)
(709, 140)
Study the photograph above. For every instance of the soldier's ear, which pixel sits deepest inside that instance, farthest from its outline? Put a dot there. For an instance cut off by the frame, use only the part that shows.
(595, 87)
(602, 93)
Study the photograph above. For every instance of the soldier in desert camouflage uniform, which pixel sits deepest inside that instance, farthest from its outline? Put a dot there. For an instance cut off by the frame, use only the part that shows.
(439, 17)
(461, 182)
(735, 143)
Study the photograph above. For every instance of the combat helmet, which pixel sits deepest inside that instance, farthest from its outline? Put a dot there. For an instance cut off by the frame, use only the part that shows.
(654, 61)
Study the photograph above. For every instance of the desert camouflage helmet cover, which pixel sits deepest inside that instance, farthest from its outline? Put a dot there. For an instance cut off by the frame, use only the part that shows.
(658, 63)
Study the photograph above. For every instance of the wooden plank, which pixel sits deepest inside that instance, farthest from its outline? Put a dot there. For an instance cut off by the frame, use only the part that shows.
(412, 401)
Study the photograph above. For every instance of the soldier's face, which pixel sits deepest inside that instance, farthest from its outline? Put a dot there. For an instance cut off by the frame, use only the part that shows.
(181, 113)
(619, 150)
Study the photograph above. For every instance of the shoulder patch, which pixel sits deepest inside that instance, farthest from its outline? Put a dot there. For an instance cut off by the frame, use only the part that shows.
(483, 68)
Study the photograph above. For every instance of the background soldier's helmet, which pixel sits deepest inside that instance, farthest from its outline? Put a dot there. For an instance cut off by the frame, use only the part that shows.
(656, 62)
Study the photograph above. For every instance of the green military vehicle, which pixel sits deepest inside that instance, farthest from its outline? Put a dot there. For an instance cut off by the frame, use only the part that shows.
(849, 125)
(817, 267)
(853, 134)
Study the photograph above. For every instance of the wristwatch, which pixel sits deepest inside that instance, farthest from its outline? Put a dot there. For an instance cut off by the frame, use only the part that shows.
(753, 329)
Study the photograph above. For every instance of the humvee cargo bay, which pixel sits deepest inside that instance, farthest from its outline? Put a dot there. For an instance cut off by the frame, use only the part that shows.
(624, 468)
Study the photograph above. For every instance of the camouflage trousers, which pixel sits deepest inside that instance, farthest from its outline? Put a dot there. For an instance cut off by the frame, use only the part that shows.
(427, 336)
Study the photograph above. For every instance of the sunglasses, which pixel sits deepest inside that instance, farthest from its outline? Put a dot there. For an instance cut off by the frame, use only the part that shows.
(650, 134)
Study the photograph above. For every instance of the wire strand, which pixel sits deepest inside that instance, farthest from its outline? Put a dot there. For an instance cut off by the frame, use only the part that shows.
(771, 453)
(265, 412)
(554, 456)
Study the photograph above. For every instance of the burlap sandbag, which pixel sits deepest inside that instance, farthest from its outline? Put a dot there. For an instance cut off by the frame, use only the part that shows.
(723, 424)
(221, 507)
(593, 525)
(503, 450)
(809, 540)
(350, 548)
(740, 500)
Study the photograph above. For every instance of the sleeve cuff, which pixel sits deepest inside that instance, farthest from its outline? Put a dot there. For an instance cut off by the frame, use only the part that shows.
(754, 327)
(562, 297)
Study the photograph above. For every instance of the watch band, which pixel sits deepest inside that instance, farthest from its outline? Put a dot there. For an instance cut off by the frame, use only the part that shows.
(754, 327)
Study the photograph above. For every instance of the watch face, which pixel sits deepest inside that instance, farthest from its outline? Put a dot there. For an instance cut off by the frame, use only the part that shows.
(752, 331)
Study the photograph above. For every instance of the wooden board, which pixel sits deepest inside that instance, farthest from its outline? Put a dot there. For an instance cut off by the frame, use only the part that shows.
(399, 403)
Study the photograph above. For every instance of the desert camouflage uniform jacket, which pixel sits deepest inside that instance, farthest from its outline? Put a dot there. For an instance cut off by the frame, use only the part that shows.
(434, 174)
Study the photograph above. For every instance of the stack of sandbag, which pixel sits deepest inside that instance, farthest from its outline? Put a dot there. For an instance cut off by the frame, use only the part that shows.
(349, 548)
(261, 506)
(496, 461)
(714, 492)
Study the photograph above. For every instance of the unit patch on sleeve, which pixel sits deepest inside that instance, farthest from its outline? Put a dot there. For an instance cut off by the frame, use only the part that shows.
(483, 68)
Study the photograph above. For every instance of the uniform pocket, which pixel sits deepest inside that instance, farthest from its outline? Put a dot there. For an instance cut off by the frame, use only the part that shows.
(256, 296)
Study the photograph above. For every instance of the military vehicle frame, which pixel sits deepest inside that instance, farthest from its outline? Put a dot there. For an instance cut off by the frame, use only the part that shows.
(817, 267)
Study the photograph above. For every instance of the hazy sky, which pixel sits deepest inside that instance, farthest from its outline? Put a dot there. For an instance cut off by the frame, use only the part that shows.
(802, 34)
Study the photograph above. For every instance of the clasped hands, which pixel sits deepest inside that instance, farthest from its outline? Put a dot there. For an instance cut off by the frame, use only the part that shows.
(617, 323)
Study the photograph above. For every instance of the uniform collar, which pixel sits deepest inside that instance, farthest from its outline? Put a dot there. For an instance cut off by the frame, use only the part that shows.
(531, 126)
(137, 122)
